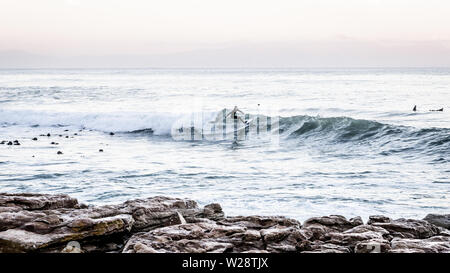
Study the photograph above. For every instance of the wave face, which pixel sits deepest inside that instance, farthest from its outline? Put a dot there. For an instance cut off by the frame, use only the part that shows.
(313, 130)
(356, 132)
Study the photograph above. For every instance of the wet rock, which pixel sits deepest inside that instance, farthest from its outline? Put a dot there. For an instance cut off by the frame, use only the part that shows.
(161, 211)
(378, 219)
(201, 237)
(34, 138)
(212, 211)
(444, 232)
(3, 142)
(48, 134)
(250, 234)
(21, 240)
(59, 153)
(336, 222)
(57, 223)
(288, 239)
(67, 136)
(111, 133)
(356, 235)
(9, 143)
(373, 246)
(260, 222)
(436, 244)
(35, 201)
(100, 150)
(54, 143)
(356, 221)
(327, 248)
(409, 228)
(320, 226)
(440, 220)
(37, 222)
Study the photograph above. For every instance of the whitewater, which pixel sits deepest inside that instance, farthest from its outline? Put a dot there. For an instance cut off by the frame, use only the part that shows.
(346, 140)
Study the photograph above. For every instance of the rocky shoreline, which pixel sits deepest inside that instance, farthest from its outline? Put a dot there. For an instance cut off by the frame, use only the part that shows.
(59, 223)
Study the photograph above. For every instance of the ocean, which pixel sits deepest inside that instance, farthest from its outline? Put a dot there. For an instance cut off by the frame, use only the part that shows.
(319, 141)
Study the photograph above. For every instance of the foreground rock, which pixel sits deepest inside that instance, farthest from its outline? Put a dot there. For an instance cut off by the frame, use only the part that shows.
(439, 220)
(58, 223)
(235, 234)
(36, 222)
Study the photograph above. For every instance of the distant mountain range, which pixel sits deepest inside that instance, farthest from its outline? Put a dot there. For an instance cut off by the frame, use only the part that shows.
(344, 53)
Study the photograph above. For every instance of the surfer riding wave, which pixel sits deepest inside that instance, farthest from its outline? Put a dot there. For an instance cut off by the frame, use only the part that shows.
(234, 113)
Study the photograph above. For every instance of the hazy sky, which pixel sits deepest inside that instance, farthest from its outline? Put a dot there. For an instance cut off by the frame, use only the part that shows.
(379, 29)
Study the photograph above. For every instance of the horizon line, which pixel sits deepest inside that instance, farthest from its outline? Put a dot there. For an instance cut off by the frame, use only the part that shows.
(229, 67)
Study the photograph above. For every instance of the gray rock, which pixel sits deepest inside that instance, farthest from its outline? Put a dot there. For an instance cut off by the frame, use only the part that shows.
(58, 223)
(437, 244)
(24, 240)
(40, 222)
(440, 220)
(356, 235)
(33, 201)
(320, 226)
(260, 222)
(378, 219)
(373, 246)
(409, 228)
(327, 248)
(192, 237)
(238, 234)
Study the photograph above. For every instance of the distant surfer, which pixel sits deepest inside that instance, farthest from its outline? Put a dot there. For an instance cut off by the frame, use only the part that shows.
(415, 108)
(234, 113)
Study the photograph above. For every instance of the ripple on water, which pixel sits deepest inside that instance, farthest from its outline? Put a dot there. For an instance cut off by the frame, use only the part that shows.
(35, 177)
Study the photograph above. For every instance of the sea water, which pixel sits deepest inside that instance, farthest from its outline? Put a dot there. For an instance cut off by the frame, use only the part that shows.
(346, 142)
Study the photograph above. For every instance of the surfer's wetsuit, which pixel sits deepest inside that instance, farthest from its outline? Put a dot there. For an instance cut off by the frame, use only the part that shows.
(235, 116)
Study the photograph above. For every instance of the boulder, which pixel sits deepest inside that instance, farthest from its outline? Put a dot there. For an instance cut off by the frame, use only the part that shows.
(436, 244)
(260, 222)
(251, 234)
(409, 228)
(320, 226)
(319, 247)
(33, 201)
(199, 237)
(31, 239)
(41, 222)
(352, 237)
(287, 239)
(378, 219)
(373, 246)
(58, 223)
(440, 220)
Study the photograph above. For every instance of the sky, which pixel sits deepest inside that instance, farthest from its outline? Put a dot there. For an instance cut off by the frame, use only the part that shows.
(224, 33)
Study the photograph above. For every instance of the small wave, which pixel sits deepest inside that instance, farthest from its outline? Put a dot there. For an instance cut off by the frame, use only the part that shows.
(34, 177)
(147, 131)
(386, 138)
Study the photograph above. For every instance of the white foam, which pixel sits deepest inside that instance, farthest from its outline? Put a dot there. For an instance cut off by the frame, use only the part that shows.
(160, 123)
